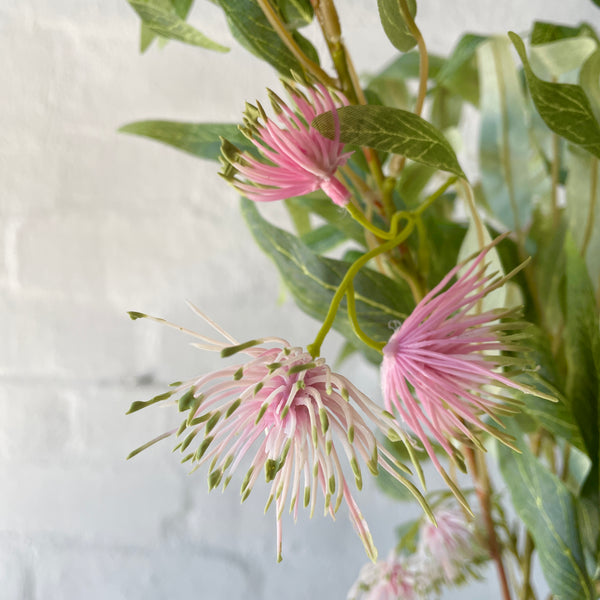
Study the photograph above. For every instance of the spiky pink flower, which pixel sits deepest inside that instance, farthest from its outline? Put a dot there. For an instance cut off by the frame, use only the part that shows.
(441, 367)
(286, 416)
(447, 547)
(299, 160)
(391, 579)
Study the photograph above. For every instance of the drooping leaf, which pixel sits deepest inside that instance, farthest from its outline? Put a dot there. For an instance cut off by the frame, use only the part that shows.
(589, 79)
(512, 170)
(392, 130)
(199, 139)
(564, 107)
(406, 66)
(312, 280)
(252, 29)
(549, 512)
(162, 19)
(394, 23)
(323, 238)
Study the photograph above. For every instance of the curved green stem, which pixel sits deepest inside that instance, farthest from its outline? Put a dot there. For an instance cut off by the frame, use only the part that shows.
(355, 325)
(315, 347)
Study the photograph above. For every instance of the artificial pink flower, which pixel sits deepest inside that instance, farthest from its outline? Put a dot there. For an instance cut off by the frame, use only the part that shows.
(291, 418)
(300, 159)
(391, 579)
(440, 366)
(447, 547)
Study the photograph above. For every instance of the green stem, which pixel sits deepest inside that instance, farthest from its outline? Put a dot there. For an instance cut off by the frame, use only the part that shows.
(355, 325)
(315, 347)
(555, 170)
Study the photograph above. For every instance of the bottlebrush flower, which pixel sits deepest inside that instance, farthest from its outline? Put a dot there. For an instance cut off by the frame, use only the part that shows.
(299, 160)
(291, 418)
(391, 579)
(441, 368)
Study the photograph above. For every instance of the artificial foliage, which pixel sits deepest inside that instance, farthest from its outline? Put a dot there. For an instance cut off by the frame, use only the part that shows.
(476, 297)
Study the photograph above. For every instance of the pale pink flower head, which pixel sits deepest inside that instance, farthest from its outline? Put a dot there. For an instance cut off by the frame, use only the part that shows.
(446, 549)
(287, 419)
(391, 579)
(297, 158)
(442, 368)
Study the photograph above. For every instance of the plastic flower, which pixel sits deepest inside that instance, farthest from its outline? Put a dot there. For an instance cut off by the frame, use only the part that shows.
(441, 368)
(289, 419)
(446, 549)
(299, 160)
(391, 579)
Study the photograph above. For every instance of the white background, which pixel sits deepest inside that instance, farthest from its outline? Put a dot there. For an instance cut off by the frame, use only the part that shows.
(94, 223)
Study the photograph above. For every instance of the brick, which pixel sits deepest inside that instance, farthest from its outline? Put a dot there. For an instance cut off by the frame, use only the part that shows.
(181, 571)
(123, 504)
(39, 424)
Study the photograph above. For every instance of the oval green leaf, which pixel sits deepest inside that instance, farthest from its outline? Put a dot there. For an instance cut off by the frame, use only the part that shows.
(392, 130)
(394, 23)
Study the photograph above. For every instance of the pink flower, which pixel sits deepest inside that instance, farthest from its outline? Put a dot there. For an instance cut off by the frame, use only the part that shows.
(391, 579)
(448, 548)
(439, 367)
(289, 419)
(299, 159)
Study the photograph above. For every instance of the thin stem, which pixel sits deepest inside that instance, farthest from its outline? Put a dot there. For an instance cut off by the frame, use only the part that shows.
(589, 227)
(355, 325)
(288, 40)
(315, 347)
(478, 469)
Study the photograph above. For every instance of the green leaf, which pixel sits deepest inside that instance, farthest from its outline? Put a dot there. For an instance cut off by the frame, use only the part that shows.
(394, 24)
(512, 170)
(323, 238)
(554, 59)
(407, 65)
(564, 107)
(589, 79)
(162, 19)
(583, 207)
(312, 280)
(296, 13)
(392, 130)
(459, 74)
(252, 29)
(199, 139)
(582, 348)
(544, 33)
(549, 512)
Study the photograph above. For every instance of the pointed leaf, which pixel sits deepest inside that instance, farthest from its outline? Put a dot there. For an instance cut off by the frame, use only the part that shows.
(199, 139)
(394, 24)
(549, 512)
(392, 130)
(564, 107)
(161, 17)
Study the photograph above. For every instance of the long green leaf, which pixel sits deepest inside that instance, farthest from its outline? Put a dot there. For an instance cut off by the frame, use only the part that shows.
(564, 107)
(392, 130)
(252, 29)
(512, 171)
(199, 139)
(162, 19)
(394, 24)
(313, 280)
(549, 512)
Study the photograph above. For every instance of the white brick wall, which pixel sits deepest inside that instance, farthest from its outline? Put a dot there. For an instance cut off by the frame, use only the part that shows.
(94, 223)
